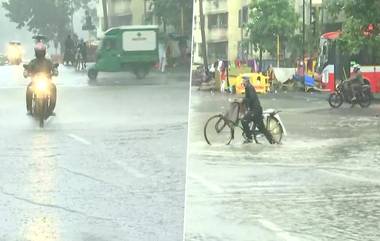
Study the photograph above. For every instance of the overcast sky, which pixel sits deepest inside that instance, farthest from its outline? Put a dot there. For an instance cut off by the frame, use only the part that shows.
(9, 32)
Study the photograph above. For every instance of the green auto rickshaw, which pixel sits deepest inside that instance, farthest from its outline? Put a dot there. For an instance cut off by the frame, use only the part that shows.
(127, 48)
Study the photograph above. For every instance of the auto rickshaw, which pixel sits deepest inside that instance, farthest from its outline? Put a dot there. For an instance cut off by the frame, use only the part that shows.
(14, 53)
(127, 48)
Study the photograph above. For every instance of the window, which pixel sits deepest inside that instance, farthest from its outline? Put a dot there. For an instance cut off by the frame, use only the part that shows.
(109, 44)
(218, 50)
(121, 20)
(218, 21)
(200, 50)
(243, 16)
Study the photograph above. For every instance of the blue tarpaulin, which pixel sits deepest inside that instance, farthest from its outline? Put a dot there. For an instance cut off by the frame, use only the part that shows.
(309, 81)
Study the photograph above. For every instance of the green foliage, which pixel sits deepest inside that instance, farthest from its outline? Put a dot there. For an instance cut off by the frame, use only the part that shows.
(170, 11)
(359, 15)
(269, 18)
(47, 17)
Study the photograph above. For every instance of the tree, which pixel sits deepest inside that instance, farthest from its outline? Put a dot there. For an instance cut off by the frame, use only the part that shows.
(172, 11)
(267, 19)
(48, 17)
(361, 27)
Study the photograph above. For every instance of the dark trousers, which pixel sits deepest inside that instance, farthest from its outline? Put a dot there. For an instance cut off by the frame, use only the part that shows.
(53, 97)
(257, 119)
(356, 88)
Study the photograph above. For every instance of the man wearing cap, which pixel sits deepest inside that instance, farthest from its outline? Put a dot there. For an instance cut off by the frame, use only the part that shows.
(254, 113)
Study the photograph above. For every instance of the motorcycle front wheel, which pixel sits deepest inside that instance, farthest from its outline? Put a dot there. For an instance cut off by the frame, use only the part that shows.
(336, 100)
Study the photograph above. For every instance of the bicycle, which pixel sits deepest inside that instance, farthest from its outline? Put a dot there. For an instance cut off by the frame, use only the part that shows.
(222, 126)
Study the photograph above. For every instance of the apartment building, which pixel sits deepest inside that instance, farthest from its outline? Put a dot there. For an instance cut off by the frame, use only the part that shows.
(224, 32)
(124, 12)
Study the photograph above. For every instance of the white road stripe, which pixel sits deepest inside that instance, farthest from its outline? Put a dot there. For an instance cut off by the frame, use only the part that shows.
(134, 172)
(278, 231)
(80, 139)
(209, 185)
(353, 177)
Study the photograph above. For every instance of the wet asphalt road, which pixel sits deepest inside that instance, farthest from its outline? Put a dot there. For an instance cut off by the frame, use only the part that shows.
(110, 166)
(321, 184)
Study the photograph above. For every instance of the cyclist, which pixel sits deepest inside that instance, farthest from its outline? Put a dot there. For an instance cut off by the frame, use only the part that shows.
(254, 113)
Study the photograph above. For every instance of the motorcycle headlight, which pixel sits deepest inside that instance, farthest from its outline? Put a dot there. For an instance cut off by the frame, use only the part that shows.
(41, 85)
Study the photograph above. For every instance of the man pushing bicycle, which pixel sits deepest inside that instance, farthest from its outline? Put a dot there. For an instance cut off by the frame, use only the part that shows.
(254, 113)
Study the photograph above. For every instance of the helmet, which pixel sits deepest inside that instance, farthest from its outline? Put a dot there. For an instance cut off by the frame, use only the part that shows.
(356, 67)
(40, 50)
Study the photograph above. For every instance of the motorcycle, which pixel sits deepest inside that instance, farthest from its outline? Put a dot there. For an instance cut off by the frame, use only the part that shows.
(343, 93)
(41, 93)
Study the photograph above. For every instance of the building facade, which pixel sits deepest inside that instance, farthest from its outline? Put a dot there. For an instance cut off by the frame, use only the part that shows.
(223, 26)
(124, 12)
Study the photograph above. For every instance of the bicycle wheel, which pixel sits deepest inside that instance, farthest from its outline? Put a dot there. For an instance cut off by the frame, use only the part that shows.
(218, 130)
(275, 128)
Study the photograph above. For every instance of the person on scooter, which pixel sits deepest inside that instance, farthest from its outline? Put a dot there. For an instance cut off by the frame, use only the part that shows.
(356, 81)
(254, 113)
(40, 65)
(69, 53)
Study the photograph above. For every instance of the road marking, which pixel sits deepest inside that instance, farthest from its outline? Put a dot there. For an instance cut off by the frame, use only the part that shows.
(352, 177)
(80, 139)
(134, 172)
(278, 231)
(209, 185)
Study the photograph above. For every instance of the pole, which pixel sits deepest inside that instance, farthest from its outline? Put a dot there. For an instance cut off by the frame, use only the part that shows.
(182, 21)
(203, 33)
(278, 51)
(303, 35)
(145, 12)
(105, 14)
(311, 10)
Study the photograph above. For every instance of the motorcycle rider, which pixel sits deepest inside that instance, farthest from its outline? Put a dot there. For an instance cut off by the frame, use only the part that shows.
(356, 81)
(69, 50)
(254, 113)
(40, 65)
(82, 50)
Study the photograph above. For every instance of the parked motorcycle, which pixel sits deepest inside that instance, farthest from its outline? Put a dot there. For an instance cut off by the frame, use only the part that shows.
(41, 89)
(343, 93)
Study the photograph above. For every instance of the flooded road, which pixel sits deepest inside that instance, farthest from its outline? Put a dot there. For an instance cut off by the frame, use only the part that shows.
(321, 183)
(107, 167)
